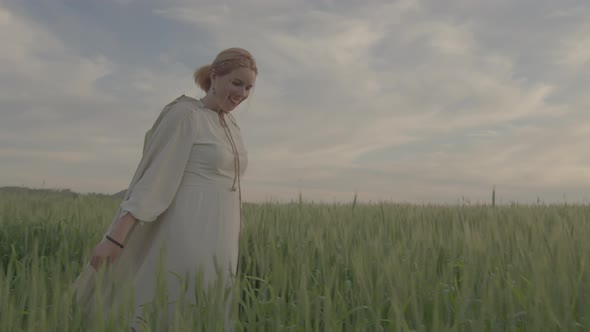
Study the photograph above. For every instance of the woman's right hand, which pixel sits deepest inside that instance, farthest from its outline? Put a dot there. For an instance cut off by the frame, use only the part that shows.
(104, 252)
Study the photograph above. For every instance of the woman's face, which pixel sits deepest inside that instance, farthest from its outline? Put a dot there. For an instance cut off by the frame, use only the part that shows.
(233, 88)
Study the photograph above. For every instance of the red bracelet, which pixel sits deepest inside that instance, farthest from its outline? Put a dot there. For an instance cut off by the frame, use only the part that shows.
(114, 241)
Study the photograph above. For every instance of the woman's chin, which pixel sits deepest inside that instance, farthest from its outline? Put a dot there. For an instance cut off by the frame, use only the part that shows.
(230, 107)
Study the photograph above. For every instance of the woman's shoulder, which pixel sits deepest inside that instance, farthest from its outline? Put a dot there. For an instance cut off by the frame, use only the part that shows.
(182, 107)
(179, 110)
(185, 103)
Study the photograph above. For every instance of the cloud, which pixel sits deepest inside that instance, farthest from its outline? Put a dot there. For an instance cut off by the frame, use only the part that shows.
(407, 100)
(55, 114)
(38, 61)
(575, 50)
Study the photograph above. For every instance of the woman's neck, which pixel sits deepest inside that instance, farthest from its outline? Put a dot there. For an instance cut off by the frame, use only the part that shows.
(209, 102)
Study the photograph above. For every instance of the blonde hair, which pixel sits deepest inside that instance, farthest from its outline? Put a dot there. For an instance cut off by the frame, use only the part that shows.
(225, 62)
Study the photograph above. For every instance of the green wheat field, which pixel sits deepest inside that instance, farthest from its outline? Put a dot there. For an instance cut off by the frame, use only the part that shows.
(330, 267)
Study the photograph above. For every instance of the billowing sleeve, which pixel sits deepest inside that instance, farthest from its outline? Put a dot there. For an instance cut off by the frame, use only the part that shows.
(166, 159)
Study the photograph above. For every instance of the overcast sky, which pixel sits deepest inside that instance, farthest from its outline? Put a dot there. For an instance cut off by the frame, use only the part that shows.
(410, 100)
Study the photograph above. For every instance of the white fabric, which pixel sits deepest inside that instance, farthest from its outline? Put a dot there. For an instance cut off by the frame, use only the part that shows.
(181, 193)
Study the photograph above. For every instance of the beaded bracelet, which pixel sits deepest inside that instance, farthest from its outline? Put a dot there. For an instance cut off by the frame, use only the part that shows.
(114, 241)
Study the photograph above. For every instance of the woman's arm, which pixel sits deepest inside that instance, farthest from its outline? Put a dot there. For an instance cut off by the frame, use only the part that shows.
(122, 228)
(107, 250)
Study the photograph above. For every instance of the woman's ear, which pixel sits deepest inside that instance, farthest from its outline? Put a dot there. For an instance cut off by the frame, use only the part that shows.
(212, 75)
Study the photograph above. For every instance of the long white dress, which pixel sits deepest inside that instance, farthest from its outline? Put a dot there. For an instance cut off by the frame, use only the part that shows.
(184, 195)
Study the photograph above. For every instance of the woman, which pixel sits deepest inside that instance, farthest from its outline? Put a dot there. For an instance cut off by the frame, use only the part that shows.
(185, 196)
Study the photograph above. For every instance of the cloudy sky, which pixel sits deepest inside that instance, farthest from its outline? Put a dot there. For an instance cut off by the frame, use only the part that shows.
(409, 100)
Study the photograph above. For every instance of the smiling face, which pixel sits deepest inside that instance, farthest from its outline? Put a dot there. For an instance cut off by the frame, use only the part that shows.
(233, 88)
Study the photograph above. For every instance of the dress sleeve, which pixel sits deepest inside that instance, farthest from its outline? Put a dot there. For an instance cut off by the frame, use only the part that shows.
(170, 148)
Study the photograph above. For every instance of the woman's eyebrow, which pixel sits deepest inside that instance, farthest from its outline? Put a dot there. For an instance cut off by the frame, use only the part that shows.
(241, 81)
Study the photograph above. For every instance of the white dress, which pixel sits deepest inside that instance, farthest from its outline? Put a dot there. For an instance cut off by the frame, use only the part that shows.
(184, 195)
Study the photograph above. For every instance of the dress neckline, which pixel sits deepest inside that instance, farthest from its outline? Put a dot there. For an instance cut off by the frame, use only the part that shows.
(202, 104)
(219, 113)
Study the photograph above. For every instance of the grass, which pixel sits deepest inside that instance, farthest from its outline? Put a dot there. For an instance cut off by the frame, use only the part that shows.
(347, 267)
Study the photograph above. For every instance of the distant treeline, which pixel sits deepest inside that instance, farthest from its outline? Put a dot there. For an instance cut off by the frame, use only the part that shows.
(25, 190)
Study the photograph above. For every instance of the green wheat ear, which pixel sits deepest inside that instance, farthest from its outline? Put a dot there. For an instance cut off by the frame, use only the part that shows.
(307, 266)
